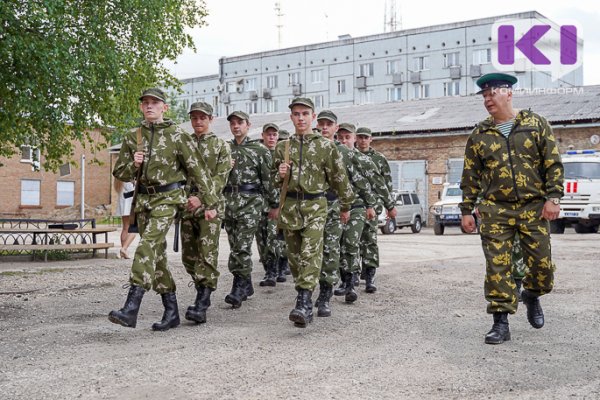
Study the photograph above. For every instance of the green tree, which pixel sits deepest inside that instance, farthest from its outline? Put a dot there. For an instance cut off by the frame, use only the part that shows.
(68, 66)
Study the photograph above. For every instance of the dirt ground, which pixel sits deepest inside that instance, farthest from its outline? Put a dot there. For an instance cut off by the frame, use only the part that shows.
(419, 337)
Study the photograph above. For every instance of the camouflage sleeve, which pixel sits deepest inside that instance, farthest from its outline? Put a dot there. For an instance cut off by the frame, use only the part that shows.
(124, 168)
(357, 176)
(223, 167)
(386, 171)
(337, 178)
(197, 169)
(269, 189)
(379, 184)
(471, 175)
(276, 180)
(552, 163)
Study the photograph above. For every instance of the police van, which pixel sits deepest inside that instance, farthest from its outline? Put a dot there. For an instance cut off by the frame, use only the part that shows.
(580, 206)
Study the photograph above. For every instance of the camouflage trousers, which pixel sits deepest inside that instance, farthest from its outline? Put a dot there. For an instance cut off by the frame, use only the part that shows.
(518, 264)
(350, 242)
(200, 249)
(305, 239)
(242, 216)
(499, 224)
(149, 269)
(369, 250)
(269, 247)
(331, 245)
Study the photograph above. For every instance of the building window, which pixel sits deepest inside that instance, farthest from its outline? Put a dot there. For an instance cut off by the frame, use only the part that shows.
(452, 88)
(251, 84)
(394, 94)
(272, 106)
(318, 101)
(231, 87)
(293, 78)
(272, 81)
(392, 67)
(316, 76)
(252, 107)
(31, 155)
(200, 99)
(341, 86)
(30, 192)
(483, 56)
(365, 96)
(65, 193)
(366, 69)
(421, 63)
(451, 59)
(421, 91)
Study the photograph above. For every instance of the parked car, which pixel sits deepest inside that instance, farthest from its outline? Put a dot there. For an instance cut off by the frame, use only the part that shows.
(409, 213)
(446, 211)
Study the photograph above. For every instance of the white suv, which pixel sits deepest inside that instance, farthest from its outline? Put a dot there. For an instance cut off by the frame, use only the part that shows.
(409, 213)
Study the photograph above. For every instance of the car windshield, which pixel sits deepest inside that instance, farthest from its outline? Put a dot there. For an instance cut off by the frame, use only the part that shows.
(454, 192)
(585, 170)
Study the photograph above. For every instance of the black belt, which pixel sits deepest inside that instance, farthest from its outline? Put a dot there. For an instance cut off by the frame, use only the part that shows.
(304, 195)
(331, 196)
(243, 188)
(159, 188)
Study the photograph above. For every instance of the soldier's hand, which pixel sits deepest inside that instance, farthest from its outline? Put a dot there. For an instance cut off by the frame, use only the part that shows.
(273, 213)
(193, 203)
(468, 223)
(550, 211)
(209, 215)
(391, 214)
(283, 169)
(138, 158)
(370, 214)
(344, 216)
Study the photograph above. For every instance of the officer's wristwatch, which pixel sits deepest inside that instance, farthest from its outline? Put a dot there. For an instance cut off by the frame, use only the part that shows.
(555, 200)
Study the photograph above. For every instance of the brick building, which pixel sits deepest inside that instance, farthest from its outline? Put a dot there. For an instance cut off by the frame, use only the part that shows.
(30, 193)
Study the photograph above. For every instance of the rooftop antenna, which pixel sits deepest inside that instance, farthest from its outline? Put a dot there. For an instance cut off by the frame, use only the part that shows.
(390, 22)
(279, 25)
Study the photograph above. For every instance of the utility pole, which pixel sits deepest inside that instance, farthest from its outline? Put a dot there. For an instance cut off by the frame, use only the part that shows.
(279, 25)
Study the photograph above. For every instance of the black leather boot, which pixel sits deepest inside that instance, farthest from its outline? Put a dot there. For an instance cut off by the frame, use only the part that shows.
(270, 274)
(127, 316)
(197, 312)
(238, 292)
(350, 295)
(249, 288)
(519, 283)
(499, 332)
(341, 290)
(356, 279)
(302, 315)
(370, 280)
(282, 265)
(322, 303)
(170, 318)
(535, 314)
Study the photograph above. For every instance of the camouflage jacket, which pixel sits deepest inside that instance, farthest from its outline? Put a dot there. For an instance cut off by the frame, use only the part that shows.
(523, 167)
(355, 168)
(253, 166)
(316, 166)
(217, 156)
(379, 175)
(170, 158)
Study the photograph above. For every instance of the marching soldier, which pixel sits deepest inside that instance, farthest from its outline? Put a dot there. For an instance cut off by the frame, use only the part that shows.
(512, 162)
(164, 153)
(200, 237)
(314, 165)
(248, 182)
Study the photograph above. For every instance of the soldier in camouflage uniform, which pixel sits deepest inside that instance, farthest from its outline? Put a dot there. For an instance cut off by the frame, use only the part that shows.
(283, 267)
(314, 166)
(382, 184)
(167, 158)
(266, 235)
(512, 161)
(249, 181)
(199, 237)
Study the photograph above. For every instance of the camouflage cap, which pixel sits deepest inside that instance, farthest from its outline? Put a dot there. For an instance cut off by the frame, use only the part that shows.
(283, 135)
(328, 115)
(240, 114)
(156, 93)
(363, 131)
(302, 101)
(202, 107)
(344, 126)
(270, 125)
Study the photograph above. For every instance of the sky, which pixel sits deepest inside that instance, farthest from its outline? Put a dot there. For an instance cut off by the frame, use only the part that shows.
(238, 27)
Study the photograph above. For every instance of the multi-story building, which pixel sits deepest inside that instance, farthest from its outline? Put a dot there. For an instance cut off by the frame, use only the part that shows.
(429, 62)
